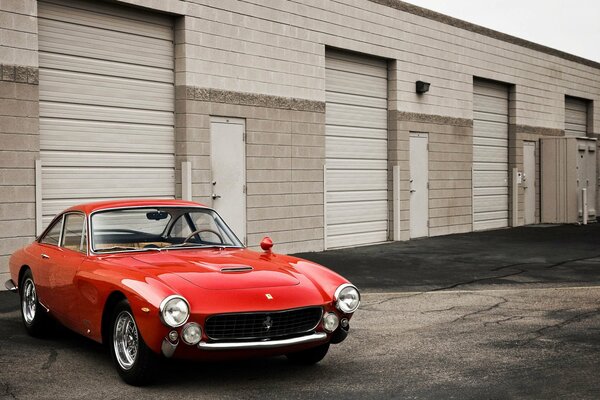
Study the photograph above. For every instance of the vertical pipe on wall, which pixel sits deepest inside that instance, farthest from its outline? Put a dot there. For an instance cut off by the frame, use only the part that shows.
(324, 206)
(396, 201)
(186, 180)
(515, 198)
(584, 206)
(473, 198)
(38, 197)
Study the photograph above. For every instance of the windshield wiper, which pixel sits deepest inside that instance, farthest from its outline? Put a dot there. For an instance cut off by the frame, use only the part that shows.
(198, 246)
(125, 248)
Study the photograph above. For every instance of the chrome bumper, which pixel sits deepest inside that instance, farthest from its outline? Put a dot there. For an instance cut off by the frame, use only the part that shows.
(267, 344)
(10, 285)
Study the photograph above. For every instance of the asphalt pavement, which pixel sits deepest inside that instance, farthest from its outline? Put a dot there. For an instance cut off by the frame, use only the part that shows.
(506, 314)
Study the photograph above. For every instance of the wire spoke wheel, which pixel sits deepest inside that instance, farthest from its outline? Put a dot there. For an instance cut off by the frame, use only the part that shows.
(29, 301)
(125, 340)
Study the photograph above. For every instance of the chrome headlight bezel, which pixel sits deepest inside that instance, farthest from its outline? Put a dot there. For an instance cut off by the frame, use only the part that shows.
(338, 293)
(163, 307)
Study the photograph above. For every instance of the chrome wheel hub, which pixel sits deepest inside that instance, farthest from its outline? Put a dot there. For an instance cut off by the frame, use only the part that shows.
(125, 340)
(29, 301)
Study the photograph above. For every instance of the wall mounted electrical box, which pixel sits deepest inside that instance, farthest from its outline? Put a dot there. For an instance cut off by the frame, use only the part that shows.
(568, 166)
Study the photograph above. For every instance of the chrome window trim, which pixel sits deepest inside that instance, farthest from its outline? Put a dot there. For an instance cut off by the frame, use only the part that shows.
(62, 231)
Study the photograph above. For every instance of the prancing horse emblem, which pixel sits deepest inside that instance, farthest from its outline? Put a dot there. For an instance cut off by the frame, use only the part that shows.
(268, 323)
(269, 297)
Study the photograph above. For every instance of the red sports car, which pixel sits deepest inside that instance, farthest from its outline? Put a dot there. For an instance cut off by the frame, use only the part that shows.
(168, 278)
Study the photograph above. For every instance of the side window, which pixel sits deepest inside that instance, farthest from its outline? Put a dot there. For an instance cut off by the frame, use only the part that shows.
(74, 237)
(53, 235)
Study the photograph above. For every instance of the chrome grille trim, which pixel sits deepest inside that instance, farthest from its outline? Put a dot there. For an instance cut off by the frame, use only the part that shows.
(253, 325)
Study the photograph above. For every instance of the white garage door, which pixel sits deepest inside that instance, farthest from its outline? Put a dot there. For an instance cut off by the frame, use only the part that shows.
(106, 104)
(490, 155)
(575, 117)
(356, 150)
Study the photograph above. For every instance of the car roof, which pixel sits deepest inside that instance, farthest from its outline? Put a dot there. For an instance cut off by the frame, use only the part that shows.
(89, 208)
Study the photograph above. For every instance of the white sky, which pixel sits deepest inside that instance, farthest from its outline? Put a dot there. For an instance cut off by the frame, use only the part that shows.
(572, 26)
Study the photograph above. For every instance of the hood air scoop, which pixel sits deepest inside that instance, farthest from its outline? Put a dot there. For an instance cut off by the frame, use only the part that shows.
(241, 268)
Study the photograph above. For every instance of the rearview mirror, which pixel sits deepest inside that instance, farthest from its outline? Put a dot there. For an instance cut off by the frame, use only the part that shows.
(157, 215)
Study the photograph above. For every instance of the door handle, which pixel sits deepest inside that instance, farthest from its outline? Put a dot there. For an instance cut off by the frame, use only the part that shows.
(215, 196)
(45, 256)
(413, 190)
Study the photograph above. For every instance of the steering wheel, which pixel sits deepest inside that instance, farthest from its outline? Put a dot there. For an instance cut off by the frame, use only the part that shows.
(196, 232)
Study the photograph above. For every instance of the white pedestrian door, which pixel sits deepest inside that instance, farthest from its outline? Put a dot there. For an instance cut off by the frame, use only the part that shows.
(529, 181)
(419, 182)
(228, 166)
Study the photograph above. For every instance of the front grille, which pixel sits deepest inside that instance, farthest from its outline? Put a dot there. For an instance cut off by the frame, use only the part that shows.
(262, 325)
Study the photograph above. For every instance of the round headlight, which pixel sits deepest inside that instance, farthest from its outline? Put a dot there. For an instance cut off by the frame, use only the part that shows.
(330, 322)
(191, 333)
(174, 311)
(347, 298)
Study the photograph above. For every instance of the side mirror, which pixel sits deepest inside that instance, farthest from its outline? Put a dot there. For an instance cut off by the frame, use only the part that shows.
(266, 244)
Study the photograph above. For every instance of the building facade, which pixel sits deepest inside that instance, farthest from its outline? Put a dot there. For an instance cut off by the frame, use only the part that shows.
(305, 120)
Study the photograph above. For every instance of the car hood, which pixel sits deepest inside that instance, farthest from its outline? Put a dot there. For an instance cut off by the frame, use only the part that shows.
(219, 269)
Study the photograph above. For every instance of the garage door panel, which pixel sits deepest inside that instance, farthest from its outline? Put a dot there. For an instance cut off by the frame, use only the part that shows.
(73, 87)
(488, 129)
(356, 84)
(355, 131)
(103, 67)
(81, 41)
(106, 136)
(345, 115)
(99, 159)
(356, 196)
(351, 229)
(340, 61)
(575, 117)
(356, 180)
(490, 155)
(106, 114)
(490, 179)
(353, 212)
(355, 148)
(356, 239)
(362, 164)
(104, 16)
(106, 104)
(490, 224)
(356, 100)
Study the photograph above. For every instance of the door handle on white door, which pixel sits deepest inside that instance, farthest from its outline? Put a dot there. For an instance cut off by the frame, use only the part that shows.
(215, 196)
(413, 190)
(45, 256)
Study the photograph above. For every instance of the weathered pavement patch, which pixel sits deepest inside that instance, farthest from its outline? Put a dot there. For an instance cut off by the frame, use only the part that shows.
(492, 344)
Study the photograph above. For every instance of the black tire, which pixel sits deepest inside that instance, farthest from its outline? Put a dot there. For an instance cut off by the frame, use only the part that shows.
(138, 369)
(33, 315)
(310, 356)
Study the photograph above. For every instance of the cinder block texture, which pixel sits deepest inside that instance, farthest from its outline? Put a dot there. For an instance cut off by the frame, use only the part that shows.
(19, 147)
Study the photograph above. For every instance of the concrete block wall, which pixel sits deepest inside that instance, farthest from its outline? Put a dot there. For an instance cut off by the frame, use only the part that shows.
(19, 147)
(19, 125)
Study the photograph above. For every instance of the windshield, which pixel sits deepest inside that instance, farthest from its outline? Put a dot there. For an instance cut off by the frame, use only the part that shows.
(152, 228)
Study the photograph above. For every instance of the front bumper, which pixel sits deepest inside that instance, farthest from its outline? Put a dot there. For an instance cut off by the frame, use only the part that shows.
(265, 344)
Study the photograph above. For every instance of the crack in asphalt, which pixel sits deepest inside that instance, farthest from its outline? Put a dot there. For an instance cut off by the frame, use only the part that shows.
(51, 359)
(503, 320)
(454, 286)
(503, 300)
(539, 333)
